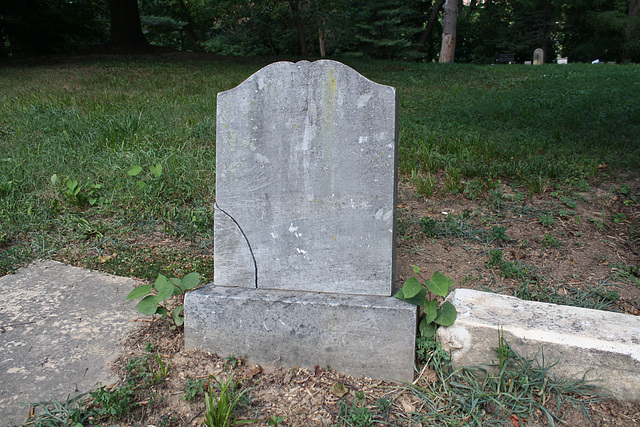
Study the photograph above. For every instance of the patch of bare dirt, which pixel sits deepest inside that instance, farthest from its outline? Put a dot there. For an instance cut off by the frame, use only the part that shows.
(594, 242)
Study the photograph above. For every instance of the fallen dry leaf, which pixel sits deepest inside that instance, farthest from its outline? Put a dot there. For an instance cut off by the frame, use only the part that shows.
(407, 406)
(338, 389)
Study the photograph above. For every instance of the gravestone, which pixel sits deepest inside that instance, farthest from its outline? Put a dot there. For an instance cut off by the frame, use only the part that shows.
(538, 57)
(304, 225)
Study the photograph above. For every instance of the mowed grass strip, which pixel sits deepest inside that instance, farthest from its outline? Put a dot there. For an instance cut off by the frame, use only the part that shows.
(88, 125)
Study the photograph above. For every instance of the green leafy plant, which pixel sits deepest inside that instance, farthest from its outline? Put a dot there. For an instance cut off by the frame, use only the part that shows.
(546, 220)
(354, 412)
(232, 361)
(220, 409)
(136, 170)
(152, 303)
(569, 201)
(500, 234)
(275, 421)
(548, 241)
(112, 403)
(352, 415)
(619, 217)
(425, 294)
(193, 387)
(77, 194)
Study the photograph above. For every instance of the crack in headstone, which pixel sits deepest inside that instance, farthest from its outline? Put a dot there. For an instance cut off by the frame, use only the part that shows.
(246, 239)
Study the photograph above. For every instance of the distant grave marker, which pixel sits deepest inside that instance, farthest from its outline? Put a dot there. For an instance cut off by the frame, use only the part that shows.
(538, 57)
(304, 228)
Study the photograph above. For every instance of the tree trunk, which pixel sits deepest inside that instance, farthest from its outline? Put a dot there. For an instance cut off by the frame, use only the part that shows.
(545, 30)
(449, 23)
(297, 22)
(424, 35)
(186, 15)
(126, 30)
(632, 10)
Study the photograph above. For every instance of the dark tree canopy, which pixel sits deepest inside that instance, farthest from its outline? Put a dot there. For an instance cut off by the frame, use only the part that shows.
(583, 30)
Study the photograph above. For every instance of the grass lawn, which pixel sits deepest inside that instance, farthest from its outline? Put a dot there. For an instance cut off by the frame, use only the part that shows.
(69, 135)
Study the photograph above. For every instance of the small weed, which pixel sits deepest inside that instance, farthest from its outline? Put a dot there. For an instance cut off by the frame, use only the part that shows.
(493, 395)
(619, 217)
(500, 234)
(77, 194)
(508, 269)
(496, 198)
(569, 202)
(599, 223)
(112, 403)
(220, 407)
(138, 371)
(548, 241)
(597, 297)
(429, 350)
(425, 184)
(627, 273)
(276, 421)
(383, 405)
(536, 185)
(193, 387)
(353, 415)
(546, 220)
(453, 182)
(72, 412)
(232, 361)
(162, 371)
(518, 197)
(474, 189)
(430, 226)
(624, 190)
(155, 172)
(457, 226)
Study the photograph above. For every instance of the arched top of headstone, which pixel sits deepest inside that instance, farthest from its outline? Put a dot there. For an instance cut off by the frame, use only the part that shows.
(279, 74)
(305, 181)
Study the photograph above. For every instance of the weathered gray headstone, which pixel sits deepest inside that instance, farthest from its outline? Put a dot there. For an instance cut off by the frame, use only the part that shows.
(538, 57)
(306, 168)
(305, 181)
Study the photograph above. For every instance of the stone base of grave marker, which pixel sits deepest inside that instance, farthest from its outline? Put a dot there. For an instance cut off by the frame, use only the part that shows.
(364, 336)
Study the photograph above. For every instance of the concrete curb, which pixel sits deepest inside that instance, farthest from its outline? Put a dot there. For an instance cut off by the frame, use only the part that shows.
(601, 345)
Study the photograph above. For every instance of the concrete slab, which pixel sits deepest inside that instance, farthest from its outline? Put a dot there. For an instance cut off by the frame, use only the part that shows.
(60, 327)
(365, 336)
(601, 345)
